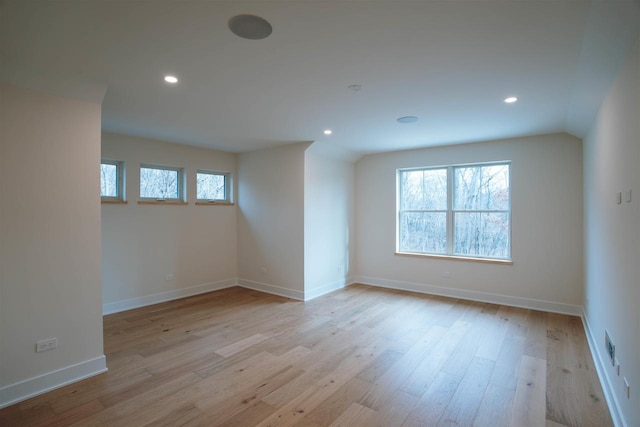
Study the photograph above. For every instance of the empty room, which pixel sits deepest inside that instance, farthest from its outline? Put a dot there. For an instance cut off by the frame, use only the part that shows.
(320, 213)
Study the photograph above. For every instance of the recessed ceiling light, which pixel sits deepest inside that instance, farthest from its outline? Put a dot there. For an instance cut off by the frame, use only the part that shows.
(355, 88)
(171, 79)
(250, 27)
(407, 119)
(510, 100)
(327, 132)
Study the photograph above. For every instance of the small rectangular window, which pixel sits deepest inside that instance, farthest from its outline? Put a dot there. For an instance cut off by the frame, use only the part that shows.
(111, 180)
(212, 186)
(161, 183)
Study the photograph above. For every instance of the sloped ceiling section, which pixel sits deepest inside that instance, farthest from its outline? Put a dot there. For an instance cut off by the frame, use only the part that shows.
(450, 63)
(612, 30)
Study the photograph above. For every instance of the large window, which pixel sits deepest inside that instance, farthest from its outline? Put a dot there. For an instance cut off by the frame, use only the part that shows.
(212, 187)
(455, 210)
(161, 183)
(111, 180)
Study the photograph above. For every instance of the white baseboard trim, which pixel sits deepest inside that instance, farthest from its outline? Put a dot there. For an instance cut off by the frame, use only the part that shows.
(31, 387)
(271, 289)
(128, 304)
(550, 306)
(325, 289)
(601, 366)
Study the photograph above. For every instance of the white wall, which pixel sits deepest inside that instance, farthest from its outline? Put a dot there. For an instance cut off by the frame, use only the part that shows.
(50, 245)
(271, 220)
(142, 244)
(547, 242)
(612, 236)
(328, 222)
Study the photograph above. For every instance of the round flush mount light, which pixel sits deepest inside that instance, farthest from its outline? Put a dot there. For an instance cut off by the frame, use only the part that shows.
(407, 119)
(510, 100)
(250, 27)
(171, 79)
(327, 132)
(355, 88)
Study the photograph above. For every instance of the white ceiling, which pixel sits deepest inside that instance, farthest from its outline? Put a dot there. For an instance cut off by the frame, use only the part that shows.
(451, 63)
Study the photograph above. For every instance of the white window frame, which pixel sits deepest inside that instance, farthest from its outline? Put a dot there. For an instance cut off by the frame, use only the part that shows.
(450, 226)
(181, 183)
(120, 176)
(227, 186)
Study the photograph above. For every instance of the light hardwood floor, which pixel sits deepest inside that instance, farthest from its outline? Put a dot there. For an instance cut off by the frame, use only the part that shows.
(362, 356)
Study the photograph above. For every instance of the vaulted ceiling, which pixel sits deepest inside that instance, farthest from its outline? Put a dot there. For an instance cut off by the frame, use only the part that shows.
(450, 63)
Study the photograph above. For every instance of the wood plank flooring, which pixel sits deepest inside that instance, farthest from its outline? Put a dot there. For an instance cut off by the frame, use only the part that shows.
(361, 356)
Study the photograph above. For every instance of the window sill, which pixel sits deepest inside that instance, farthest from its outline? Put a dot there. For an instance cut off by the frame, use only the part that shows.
(157, 202)
(459, 258)
(214, 203)
(114, 202)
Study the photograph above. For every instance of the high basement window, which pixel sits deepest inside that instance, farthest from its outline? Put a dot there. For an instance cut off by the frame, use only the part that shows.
(161, 183)
(111, 181)
(212, 187)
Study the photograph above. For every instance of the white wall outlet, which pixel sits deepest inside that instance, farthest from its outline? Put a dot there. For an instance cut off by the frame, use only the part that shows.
(169, 276)
(446, 275)
(48, 344)
(263, 269)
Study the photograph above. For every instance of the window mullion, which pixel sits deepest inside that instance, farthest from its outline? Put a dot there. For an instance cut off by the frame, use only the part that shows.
(450, 218)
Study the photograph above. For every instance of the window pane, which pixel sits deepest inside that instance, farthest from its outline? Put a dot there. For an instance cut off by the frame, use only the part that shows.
(159, 183)
(423, 232)
(424, 189)
(481, 188)
(108, 180)
(210, 186)
(483, 234)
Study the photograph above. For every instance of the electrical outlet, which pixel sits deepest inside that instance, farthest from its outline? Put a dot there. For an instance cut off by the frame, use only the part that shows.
(169, 276)
(611, 348)
(263, 269)
(446, 275)
(627, 388)
(48, 344)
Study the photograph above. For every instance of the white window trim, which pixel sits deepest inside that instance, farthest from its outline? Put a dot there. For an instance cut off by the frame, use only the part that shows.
(450, 227)
(181, 184)
(120, 177)
(227, 187)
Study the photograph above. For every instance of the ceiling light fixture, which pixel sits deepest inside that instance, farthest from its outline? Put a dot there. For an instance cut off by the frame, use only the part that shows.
(327, 132)
(171, 79)
(407, 119)
(355, 88)
(250, 27)
(510, 100)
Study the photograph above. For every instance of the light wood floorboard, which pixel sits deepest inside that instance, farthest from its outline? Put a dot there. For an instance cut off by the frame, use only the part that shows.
(361, 356)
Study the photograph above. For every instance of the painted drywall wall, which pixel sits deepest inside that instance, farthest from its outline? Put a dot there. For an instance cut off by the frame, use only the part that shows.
(546, 174)
(271, 219)
(612, 236)
(50, 245)
(142, 244)
(328, 222)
